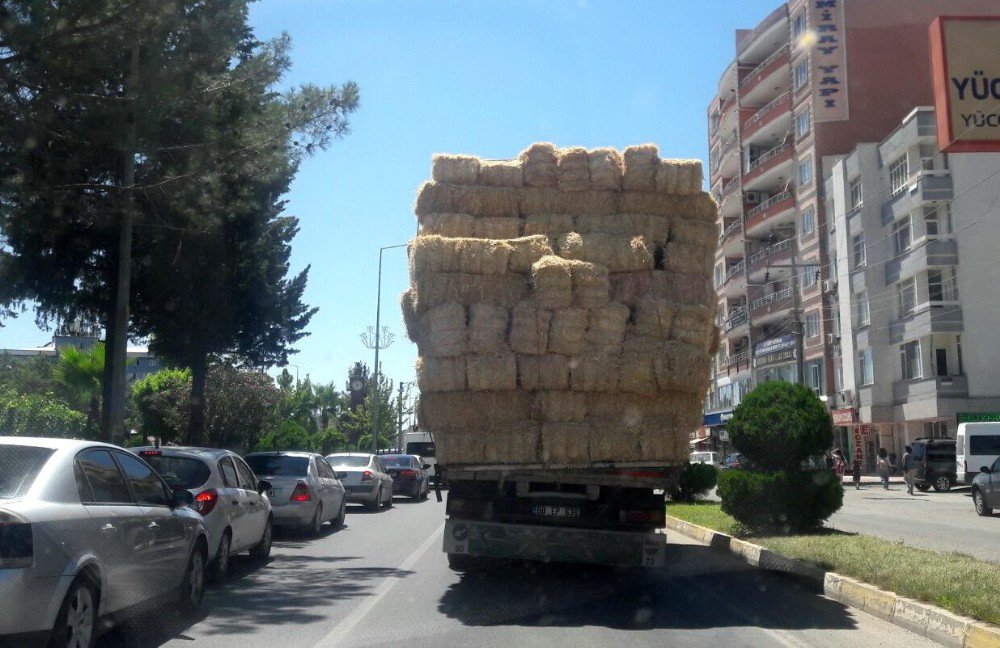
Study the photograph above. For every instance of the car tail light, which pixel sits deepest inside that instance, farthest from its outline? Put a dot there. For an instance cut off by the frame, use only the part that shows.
(654, 516)
(150, 453)
(16, 541)
(366, 476)
(205, 501)
(300, 494)
(467, 509)
(406, 472)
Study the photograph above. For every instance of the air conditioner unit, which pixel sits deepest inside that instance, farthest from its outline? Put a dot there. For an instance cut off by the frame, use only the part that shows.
(831, 338)
(847, 396)
(752, 197)
(927, 163)
(830, 285)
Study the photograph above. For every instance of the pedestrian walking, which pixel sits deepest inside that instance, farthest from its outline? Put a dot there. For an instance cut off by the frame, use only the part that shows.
(883, 467)
(856, 473)
(839, 464)
(828, 458)
(909, 469)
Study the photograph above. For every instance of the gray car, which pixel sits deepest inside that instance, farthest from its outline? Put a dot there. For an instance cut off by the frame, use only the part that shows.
(304, 491)
(365, 478)
(986, 489)
(90, 533)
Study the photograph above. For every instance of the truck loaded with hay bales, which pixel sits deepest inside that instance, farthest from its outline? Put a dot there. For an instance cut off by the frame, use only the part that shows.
(563, 313)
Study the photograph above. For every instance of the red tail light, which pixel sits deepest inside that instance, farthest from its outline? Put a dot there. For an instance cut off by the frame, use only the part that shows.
(150, 453)
(205, 501)
(406, 472)
(366, 475)
(17, 544)
(300, 494)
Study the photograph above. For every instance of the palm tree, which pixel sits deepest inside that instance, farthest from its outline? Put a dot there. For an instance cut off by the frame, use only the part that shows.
(80, 373)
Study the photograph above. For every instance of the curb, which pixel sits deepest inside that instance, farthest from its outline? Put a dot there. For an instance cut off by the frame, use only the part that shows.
(923, 619)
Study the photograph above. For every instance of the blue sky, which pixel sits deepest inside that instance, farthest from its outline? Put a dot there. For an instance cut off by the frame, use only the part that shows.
(464, 76)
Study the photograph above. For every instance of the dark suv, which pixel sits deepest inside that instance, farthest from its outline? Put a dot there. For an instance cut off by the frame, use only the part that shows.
(935, 459)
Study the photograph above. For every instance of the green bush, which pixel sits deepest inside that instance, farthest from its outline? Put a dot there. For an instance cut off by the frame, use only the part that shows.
(696, 479)
(39, 415)
(289, 435)
(779, 425)
(780, 501)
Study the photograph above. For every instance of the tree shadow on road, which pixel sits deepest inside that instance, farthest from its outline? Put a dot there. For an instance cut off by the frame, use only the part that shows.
(702, 588)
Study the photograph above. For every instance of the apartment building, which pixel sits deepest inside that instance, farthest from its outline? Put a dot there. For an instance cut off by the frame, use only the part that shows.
(813, 79)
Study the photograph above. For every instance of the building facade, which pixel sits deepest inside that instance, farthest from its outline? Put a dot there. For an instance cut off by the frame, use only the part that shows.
(812, 80)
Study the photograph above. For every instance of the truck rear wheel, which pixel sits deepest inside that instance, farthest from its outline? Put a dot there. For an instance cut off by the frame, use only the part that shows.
(463, 562)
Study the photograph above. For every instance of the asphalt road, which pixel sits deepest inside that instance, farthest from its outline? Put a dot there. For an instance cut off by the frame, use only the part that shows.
(383, 581)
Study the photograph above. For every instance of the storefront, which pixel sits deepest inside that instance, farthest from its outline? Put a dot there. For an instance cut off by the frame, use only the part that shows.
(775, 359)
(718, 438)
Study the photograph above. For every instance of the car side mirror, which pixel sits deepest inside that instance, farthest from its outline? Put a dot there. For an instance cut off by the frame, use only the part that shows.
(427, 466)
(985, 469)
(263, 486)
(182, 497)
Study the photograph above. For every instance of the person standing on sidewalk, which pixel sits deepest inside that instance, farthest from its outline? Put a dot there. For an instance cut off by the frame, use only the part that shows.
(883, 468)
(856, 473)
(909, 469)
(839, 464)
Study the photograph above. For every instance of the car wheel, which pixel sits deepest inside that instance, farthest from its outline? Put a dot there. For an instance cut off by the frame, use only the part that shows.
(220, 566)
(980, 503)
(193, 585)
(338, 521)
(76, 625)
(942, 484)
(375, 503)
(262, 550)
(388, 500)
(923, 487)
(316, 527)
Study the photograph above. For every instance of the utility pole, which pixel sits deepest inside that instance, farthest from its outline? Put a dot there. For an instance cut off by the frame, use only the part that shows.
(399, 423)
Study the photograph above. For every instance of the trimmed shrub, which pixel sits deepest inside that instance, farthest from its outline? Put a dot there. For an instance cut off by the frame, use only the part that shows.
(779, 425)
(780, 501)
(695, 480)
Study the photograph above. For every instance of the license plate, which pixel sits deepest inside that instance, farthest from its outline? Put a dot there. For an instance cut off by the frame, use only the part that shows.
(556, 511)
(273, 492)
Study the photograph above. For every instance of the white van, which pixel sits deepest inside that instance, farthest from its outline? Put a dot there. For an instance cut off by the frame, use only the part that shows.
(976, 445)
(422, 445)
(713, 458)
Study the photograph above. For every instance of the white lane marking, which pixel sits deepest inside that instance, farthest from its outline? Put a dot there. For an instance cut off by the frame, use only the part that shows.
(342, 629)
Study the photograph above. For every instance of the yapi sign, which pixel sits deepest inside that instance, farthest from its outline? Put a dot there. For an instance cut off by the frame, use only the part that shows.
(965, 56)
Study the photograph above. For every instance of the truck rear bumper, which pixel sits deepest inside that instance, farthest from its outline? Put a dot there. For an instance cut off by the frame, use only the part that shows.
(556, 544)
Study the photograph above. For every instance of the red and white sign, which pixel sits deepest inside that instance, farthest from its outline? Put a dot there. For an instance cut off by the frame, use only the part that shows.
(865, 430)
(843, 416)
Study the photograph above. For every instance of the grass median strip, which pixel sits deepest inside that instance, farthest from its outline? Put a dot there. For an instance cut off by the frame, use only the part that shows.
(956, 582)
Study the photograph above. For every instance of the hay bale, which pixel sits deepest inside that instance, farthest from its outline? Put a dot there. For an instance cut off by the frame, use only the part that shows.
(437, 198)
(408, 303)
(666, 177)
(434, 253)
(449, 225)
(548, 224)
(539, 163)
(472, 409)
(460, 447)
(496, 227)
(526, 251)
(656, 229)
(665, 441)
(713, 346)
(500, 173)
(487, 328)
(481, 256)
(633, 409)
(607, 167)
(684, 257)
(591, 284)
(594, 372)
(566, 444)
(441, 331)
(552, 406)
(552, 282)
(436, 288)
(676, 287)
(689, 177)
(543, 201)
(553, 371)
(529, 329)
(636, 372)
(568, 331)
(619, 253)
(698, 233)
(694, 325)
(653, 318)
(441, 374)
(573, 169)
(613, 440)
(681, 367)
(700, 206)
(455, 169)
(641, 164)
(515, 443)
(491, 371)
(606, 327)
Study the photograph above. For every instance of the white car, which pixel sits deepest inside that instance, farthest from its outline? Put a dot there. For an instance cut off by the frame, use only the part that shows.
(365, 478)
(712, 458)
(228, 496)
(303, 489)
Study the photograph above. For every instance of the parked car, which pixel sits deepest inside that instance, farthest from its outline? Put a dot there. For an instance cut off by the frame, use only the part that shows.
(735, 460)
(712, 458)
(89, 533)
(304, 491)
(409, 474)
(365, 478)
(977, 446)
(986, 489)
(227, 495)
(936, 465)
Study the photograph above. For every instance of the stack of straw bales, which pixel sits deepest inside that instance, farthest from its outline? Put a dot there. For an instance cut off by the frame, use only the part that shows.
(561, 306)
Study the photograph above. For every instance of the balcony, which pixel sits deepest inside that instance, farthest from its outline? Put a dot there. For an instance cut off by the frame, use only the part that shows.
(731, 240)
(926, 320)
(738, 359)
(904, 391)
(752, 84)
(767, 168)
(778, 204)
(729, 160)
(730, 287)
(932, 253)
(730, 198)
(923, 187)
(727, 111)
(775, 253)
(770, 115)
(736, 323)
(776, 303)
(776, 22)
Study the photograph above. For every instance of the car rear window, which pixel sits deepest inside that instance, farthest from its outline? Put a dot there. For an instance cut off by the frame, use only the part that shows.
(19, 465)
(397, 460)
(420, 448)
(352, 461)
(278, 465)
(179, 472)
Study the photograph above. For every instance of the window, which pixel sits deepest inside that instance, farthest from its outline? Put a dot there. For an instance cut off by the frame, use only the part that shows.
(248, 480)
(865, 367)
(801, 74)
(810, 276)
(814, 375)
(984, 444)
(720, 275)
(802, 123)
(861, 311)
(855, 191)
(228, 470)
(107, 486)
(422, 448)
(812, 324)
(901, 236)
(805, 173)
(324, 469)
(906, 298)
(942, 285)
(21, 465)
(278, 465)
(146, 484)
(808, 222)
(898, 174)
(798, 25)
(858, 244)
(909, 360)
(179, 472)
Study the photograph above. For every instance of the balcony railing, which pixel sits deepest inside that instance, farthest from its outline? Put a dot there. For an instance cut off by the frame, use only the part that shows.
(760, 114)
(768, 155)
(730, 187)
(742, 357)
(734, 271)
(770, 202)
(784, 293)
(737, 318)
(763, 64)
(730, 229)
(776, 248)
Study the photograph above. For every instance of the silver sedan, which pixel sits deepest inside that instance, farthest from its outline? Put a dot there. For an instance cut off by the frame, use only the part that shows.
(89, 531)
(365, 478)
